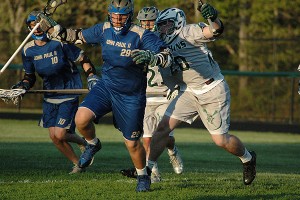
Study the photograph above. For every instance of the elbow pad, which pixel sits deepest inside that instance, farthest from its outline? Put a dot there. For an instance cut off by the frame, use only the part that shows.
(31, 78)
(73, 36)
(220, 30)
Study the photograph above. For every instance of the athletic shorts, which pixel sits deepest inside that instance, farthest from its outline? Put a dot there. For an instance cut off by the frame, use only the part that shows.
(153, 115)
(59, 115)
(128, 110)
(213, 107)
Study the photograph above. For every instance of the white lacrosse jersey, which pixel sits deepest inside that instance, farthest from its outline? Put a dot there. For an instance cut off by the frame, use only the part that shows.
(156, 89)
(193, 61)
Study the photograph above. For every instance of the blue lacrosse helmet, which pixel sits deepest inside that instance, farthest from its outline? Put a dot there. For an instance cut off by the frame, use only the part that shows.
(122, 7)
(32, 17)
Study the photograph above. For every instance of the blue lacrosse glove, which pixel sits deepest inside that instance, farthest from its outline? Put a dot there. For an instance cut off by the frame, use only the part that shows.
(143, 57)
(172, 93)
(91, 81)
(208, 12)
(21, 85)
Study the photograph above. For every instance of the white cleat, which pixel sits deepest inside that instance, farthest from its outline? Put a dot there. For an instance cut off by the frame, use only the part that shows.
(155, 177)
(176, 161)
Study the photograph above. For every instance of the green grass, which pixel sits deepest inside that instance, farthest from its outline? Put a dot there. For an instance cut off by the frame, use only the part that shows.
(32, 168)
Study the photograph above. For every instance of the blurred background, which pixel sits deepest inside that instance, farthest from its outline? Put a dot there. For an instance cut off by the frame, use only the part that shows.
(257, 53)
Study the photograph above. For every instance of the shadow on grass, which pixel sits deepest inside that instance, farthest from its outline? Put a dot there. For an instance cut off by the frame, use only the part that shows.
(198, 158)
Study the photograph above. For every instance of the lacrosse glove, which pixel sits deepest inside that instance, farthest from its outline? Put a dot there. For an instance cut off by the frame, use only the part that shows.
(91, 81)
(144, 57)
(208, 12)
(172, 93)
(21, 85)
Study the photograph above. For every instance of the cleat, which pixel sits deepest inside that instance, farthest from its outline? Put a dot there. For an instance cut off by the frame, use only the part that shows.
(131, 172)
(82, 149)
(76, 169)
(176, 161)
(143, 183)
(249, 172)
(87, 156)
(155, 177)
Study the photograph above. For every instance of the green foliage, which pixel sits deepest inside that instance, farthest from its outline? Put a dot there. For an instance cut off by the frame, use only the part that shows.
(32, 168)
(266, 33)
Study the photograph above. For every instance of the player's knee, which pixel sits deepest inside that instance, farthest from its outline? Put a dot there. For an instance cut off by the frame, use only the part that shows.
(82, 118)
(221, 140)
(133, 145)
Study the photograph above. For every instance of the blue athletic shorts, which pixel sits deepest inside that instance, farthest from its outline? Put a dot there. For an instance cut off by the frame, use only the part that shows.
(59, 115)
(128, 110)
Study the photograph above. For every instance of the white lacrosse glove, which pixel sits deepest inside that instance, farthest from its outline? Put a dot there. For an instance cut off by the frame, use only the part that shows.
(172, 93)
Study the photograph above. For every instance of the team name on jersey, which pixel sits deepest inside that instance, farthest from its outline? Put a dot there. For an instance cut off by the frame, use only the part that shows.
(45, 55)
(118, 44)
(177, 46)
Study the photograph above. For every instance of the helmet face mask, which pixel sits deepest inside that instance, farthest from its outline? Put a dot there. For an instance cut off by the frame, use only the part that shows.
(169, 23)
(147, 17)
(120, 13)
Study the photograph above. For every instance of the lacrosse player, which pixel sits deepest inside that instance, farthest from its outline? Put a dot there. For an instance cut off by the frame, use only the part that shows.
(127, 49)
(54, 61)
(156, 105)
(203, 91)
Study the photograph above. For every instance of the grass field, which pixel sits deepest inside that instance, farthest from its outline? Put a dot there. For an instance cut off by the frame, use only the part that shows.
(31, 168)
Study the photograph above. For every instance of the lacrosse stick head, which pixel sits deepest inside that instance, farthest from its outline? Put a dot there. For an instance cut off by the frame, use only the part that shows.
(13, 95)
(52, 5)
(31, 23)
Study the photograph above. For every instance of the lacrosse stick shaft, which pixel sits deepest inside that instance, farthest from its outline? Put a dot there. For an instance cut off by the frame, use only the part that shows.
(19, 48)
(211, 26)
(61, 91)
(83, 91)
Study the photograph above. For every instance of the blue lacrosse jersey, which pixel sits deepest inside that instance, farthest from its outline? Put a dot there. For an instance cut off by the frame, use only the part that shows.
(54, 63)
(119, 72)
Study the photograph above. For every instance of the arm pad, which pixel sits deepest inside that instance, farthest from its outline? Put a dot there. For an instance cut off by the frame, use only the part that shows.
(92, 69)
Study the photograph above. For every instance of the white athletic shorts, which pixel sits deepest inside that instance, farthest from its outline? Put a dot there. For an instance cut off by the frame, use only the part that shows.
(213, 107)
(153, 115)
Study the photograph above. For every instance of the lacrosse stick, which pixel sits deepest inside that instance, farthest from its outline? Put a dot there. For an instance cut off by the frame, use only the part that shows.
(15, 95)
(209, 20)
(48, 10)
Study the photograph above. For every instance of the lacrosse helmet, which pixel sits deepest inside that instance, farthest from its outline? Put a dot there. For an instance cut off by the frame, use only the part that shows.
(122, 7)
(148, 14)
(32, 17)
(169, 23)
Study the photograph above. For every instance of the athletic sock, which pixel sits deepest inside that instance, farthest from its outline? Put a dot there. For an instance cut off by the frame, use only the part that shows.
(246, 157)
(171, 151)
(155, 167)
(151, 164)
(93, 141)
(141, 172)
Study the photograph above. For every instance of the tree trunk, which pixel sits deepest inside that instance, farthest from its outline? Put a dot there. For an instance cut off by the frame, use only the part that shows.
(242, 52)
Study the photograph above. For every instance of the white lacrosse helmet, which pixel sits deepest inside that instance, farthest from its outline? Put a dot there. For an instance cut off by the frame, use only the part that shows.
(169, 23)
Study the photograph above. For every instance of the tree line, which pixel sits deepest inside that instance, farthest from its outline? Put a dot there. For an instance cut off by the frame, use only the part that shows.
(259, 36)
